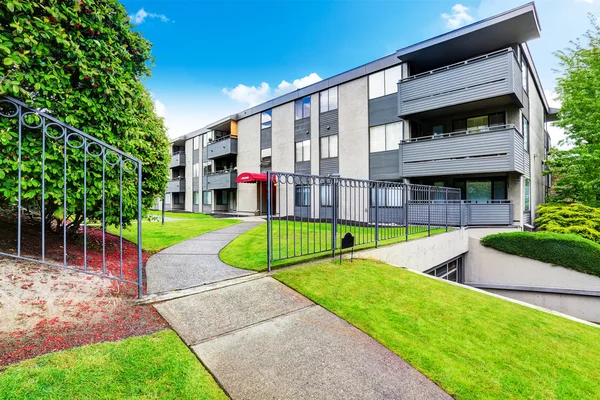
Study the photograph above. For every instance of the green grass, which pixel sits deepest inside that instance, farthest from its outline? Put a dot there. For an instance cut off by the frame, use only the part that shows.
(567, 250)
(180, 215)
(148, 367)
(249, 250)
(473, 345)
(155, 237)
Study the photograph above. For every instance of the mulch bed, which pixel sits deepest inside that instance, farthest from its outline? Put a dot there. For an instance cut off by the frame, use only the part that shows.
(45, 309)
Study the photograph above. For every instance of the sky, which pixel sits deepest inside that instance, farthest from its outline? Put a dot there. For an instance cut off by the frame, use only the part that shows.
(216, 58)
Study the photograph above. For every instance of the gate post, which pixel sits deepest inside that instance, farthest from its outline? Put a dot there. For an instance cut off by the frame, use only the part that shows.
(446, 191)
(334, 211)
(376, 214)
(406, 194)
(269, 233)
(139, 230)
(428, 211)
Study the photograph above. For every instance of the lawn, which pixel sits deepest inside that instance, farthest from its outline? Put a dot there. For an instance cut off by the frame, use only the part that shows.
(249, 250)
(179, 215)
(473, 345)
(155, 237)
(148, 367)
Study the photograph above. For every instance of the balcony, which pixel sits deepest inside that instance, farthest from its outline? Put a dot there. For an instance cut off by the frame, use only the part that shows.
(222, 147)
(221, 180)
(492, 76)
(497, 149)
(177, 160)
(176, 185)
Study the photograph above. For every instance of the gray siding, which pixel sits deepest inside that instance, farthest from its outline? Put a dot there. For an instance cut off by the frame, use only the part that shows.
(526, 106)
(206, 208)
(176, 186)
(383, 110)
(303, 167)
(486, 152)
(477, 80)
(177, 160)
(384, 165)
(302, 129)
(224, 180)
(328, 123)
(527, 217)
(204, 154)
(265, 138)
(196, 208)
(221, 148)
(329, 166)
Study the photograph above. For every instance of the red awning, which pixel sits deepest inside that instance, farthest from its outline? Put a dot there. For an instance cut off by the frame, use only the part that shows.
(252, 177)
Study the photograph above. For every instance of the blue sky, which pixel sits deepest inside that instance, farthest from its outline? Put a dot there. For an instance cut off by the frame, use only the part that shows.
(214, 58)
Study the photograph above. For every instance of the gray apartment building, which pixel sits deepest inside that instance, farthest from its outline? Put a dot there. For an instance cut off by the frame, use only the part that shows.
(465, 109)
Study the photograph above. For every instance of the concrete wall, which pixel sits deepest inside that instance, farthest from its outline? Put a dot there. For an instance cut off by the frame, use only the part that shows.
(536, 147)
(422, 254)
(515, 193)
(283, 147)
(189, 173)
(353, 104)
(248, 160)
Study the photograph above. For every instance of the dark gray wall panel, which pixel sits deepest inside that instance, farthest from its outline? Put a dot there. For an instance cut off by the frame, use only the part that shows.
(225, 180)
(206, 209)
(303, 167)
(329, 166)
(384, 165)
(265, 138)
(383, 110)
(221, 148)
(328, 123)
(302, 129)
(196, 156)
(204, 154)
(526, 106)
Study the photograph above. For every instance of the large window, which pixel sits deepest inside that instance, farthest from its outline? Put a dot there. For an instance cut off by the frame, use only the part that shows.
(527, 195)
(329, 99)
(178, 198)
(207, 167)
(196, 142)
(386, 197)
(384, 82)
(326, 195)
(196, 170)
(482, 190)
(385, 137)
(302, 197)
(303, 108)
(525, 133)
(479, 123)
(207, 198)
(207, 138)
(265, 119)
(196, 198)
(329, 146)
(450, 271)
(222, 198)
(303, 151)
(524, 73)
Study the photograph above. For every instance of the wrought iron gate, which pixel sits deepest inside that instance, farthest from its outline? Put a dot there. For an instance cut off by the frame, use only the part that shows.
(65, 179)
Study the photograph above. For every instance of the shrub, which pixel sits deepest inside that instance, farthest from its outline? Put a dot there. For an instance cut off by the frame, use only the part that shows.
(567, 250)
(570, 218)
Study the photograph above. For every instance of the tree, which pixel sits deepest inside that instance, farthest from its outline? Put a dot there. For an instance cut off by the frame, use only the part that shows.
(577, 168)
(82, 62)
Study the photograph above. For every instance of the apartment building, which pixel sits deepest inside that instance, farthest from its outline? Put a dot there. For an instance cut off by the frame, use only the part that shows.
(465, 109)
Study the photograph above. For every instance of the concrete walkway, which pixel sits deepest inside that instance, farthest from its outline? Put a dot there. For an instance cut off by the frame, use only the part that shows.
(194, 262)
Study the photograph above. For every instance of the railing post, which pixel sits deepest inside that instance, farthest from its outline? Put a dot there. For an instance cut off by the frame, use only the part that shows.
(334, 212)
(376, 214)
(407, 194)
(446, 192)
(139, 230)
(429, 211)
(269, 233)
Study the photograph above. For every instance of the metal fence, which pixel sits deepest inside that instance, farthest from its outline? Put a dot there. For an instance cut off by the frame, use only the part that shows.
(309, 214)
(61, 189)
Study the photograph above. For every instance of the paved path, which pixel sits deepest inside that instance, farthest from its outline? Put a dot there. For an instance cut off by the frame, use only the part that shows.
(194, 262)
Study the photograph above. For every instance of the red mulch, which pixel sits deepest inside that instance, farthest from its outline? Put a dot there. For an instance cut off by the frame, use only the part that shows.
(49, 308)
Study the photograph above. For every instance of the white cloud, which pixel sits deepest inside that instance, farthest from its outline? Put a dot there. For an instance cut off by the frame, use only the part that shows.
(160, 108)
(460, 16)
(557, 134)
(252, 95)
(140, 17)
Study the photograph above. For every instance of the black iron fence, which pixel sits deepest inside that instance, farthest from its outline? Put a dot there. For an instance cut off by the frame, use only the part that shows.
(61, 189)
(309, 214)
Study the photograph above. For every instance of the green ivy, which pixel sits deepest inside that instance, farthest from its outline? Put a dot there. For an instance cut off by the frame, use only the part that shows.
(577, 219)
(83, 63)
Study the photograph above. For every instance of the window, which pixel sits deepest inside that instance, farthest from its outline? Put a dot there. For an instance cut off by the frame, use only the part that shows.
(207, 167)
(207, 138)
(207, 198)
(178, 198)
(479, 190)
(196, 198)
(302, 197)
(527, 195)
(265, 119)
(438, 130)
(196, 142)
(326, 195)
(329, 99)
(479, 123)
(196, 170)
(524, 74)
(303, 151)
(329, 146)
(482, 190)
(385, 137)
(386, 196)
(222, 198)
(168, 198)
(303, 108)
(450, 271)
(384, 82)
(525, 134)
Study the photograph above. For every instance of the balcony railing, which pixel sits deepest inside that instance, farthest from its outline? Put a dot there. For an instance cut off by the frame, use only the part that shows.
(177, 159)
(491, 75)
(484, 150)
(176, 185)
(224, 179)
(222, 147)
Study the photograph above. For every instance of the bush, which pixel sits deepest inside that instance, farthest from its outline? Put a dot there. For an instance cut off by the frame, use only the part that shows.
(569, 251)
(570, 218)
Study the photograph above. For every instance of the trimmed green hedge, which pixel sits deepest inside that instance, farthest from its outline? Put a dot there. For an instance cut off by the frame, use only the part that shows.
(567, 250)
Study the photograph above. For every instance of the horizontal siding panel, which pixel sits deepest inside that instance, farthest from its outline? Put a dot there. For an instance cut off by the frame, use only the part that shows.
(329, 166)
(302, 129)
(265, 138)
(463, 166)
(222, 181)
(328, 123)
(303, 167)
(383, 110)
(222, 148)
(384, 165)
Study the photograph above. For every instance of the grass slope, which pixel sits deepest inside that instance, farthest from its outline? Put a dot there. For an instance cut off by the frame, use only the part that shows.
(148, 367)
(473, 345)
(155, 237)
(567, 250)
(249, 250)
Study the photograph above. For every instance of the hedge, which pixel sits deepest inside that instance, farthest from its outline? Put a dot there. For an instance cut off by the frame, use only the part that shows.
(567, 250)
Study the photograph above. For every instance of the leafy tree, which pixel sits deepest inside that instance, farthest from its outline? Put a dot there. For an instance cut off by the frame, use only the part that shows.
(573, 218)
(576, 169)
(83, 63)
